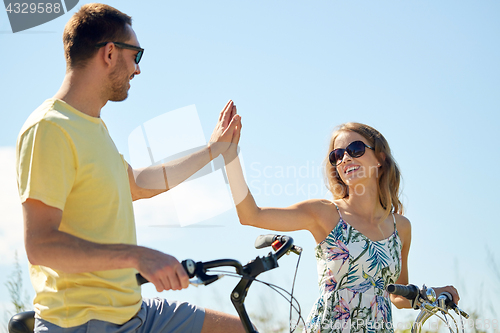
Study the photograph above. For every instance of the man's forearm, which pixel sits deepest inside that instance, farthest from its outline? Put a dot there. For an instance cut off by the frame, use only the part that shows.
(61, 251)
(157, 179)
(69, 254)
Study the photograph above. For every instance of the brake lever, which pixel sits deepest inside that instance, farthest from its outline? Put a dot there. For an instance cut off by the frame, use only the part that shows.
(461, 312)
(199, 282)
(421, 298)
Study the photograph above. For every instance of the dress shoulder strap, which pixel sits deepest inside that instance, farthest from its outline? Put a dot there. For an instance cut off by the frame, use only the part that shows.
(338, 210)
(394, 218)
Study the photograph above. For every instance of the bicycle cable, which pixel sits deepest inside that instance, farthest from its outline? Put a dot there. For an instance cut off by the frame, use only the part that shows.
(293, 286)
(274, 287)
(299, 310)
(461, 320)
(447, 323)
(445, 320)
(454, 321)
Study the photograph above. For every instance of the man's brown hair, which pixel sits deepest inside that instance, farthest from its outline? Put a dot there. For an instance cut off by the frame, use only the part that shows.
(92, 24)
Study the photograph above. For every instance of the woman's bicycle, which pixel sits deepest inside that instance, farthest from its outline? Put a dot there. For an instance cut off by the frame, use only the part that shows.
(429, 304)
(205, 273)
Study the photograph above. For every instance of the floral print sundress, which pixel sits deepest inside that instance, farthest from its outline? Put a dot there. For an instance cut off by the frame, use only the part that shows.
(353, 272)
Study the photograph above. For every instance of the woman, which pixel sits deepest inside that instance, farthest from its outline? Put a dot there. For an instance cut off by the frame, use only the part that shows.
(363, 239)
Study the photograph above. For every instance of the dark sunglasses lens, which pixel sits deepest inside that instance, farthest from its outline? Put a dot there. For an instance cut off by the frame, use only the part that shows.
(138, 57)
(336, 156)
(331, 157)
(356, 149)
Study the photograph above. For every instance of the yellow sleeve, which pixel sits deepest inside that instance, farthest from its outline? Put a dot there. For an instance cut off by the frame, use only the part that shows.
(46, 164)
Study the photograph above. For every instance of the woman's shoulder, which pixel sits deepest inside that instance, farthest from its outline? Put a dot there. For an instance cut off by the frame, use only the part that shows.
(402, 220)
(403, 225)
(325, 214)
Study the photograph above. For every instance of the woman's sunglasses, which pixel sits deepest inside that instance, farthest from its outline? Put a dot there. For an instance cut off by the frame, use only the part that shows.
(354, 149)
(138, 56)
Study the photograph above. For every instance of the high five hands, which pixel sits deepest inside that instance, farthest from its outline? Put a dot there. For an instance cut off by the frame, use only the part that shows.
(226, 135)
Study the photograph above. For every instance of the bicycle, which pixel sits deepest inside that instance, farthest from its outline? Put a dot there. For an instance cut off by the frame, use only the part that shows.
(425, 299)
(200, 274)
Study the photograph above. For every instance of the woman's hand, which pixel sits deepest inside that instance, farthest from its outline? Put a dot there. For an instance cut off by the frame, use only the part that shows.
(224, 132)
(452, 290)
(232, 151)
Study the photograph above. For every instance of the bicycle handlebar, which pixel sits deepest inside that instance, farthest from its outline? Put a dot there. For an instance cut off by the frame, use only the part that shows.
(283, 243)
(280, 243)
(198, 269)
(426, 300)
(410, 291)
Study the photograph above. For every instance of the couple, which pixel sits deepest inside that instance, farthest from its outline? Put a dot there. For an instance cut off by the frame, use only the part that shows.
(77, 191)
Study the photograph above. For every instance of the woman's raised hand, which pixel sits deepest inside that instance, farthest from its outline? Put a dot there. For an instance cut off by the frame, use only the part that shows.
(224, 131)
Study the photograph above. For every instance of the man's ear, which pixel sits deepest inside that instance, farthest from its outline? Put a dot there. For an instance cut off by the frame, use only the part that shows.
(109, 54)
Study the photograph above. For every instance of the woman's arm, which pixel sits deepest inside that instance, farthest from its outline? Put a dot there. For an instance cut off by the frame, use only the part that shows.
(404, 230)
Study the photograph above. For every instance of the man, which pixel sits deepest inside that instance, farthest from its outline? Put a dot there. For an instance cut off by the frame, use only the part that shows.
(77, 193)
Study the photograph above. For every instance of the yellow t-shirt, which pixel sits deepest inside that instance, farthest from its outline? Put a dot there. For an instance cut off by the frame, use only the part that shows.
(67, 160)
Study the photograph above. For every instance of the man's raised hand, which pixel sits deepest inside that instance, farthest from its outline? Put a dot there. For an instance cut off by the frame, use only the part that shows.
(224, 131)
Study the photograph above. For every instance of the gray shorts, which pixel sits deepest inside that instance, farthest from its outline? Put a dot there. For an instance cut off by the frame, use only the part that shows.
(155, 315)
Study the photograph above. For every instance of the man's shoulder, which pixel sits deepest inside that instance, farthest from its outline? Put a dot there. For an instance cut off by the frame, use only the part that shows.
(52, 111)
(46, 111)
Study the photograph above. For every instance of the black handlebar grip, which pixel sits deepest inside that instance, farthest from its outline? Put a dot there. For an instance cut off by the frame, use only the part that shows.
(188, 265)
(140, 279)
(410, 291)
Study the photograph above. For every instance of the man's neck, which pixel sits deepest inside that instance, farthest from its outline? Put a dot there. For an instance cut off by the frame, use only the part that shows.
(82, 92)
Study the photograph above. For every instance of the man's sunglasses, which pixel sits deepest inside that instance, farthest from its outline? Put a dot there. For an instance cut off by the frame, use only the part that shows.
(354, 149)
(139, 54)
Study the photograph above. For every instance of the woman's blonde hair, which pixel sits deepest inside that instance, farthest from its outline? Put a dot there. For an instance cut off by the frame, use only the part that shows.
(389, 175)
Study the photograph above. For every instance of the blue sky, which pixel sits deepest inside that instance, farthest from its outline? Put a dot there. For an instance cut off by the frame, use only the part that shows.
(424, 73)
